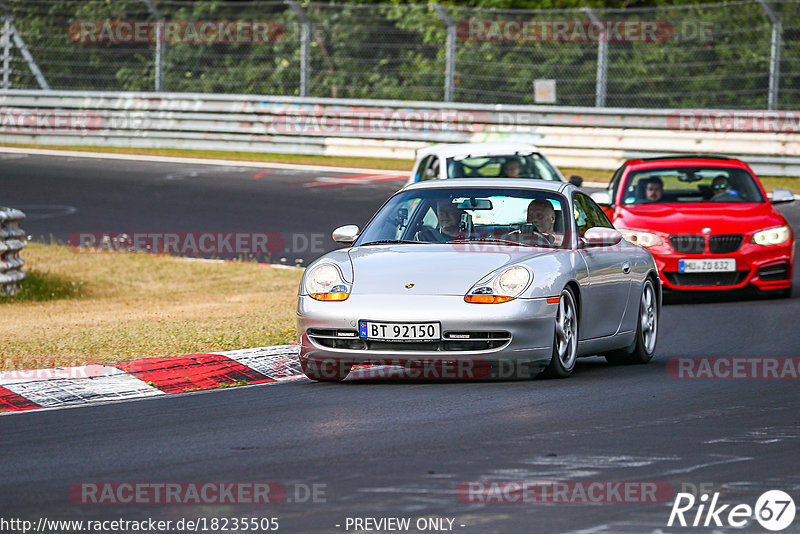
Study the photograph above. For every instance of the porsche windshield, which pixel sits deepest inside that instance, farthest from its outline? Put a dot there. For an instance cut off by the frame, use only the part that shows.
(691, 185)
(507, 166)
(521, 217)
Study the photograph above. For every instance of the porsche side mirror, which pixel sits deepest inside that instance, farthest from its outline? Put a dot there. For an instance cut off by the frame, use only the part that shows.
(575, 180)
(603, 198)
(345, 235)
(780, 196)
(601, 237)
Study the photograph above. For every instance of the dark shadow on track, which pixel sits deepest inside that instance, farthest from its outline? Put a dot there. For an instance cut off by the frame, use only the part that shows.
(716, 296)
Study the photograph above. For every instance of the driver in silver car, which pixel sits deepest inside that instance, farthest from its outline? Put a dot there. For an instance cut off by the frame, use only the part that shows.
(543, 216)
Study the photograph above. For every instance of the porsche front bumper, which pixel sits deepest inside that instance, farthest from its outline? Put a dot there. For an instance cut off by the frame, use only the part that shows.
(519, 332)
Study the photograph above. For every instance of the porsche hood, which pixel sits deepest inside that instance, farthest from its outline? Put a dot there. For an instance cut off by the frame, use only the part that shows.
(433, 269)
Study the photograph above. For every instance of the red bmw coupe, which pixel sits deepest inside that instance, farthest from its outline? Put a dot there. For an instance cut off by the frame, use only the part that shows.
(706, 220)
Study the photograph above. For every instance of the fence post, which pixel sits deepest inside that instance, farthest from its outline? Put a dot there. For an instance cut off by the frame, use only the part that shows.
(5, 42)
(602, 61)
(159, 56)
(305, 42)
(12, 33)
(774, 54)
(450, 53)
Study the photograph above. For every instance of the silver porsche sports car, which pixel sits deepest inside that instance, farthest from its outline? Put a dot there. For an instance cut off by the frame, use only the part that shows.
(477, 278)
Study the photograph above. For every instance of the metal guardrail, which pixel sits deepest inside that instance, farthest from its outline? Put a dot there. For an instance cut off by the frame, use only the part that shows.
(12, 240)
(582, 137)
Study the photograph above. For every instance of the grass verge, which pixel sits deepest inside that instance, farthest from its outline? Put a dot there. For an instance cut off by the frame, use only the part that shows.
(77, 308)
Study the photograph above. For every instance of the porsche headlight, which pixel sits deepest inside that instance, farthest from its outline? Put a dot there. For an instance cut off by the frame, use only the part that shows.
(644, 239)
(772, 236)
(502, 287)
(324, 282)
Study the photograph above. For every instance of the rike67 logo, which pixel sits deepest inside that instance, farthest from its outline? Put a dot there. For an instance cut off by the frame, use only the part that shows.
(774, 510)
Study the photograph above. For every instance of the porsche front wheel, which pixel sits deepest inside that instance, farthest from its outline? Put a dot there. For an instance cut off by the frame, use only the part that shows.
(646, 331)
(565, 339)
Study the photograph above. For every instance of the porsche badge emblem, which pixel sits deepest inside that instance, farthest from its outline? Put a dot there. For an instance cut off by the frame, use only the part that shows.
(409, 285)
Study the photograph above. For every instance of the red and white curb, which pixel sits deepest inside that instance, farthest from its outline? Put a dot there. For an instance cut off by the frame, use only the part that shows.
(148, 377)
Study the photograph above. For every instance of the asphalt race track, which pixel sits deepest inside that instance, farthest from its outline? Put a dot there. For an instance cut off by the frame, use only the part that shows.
(398, 449)
(65, 196)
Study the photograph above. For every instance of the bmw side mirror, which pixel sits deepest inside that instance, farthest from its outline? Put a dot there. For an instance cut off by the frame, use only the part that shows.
(601, 237)
(345, 235)
(781, 196)
(575, 180)
(603, 198)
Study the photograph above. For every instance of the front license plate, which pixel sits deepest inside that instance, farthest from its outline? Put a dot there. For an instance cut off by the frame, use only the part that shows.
(707, 266)
(400, 331)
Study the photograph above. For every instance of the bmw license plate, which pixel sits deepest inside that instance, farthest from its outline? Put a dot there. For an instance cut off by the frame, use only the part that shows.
(722, 265)
(399, 331)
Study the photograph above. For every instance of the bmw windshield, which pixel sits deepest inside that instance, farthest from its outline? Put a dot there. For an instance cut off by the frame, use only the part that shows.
(691, 185)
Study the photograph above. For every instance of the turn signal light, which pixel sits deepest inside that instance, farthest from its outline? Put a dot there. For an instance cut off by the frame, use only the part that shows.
(330, 296)
(487, 299)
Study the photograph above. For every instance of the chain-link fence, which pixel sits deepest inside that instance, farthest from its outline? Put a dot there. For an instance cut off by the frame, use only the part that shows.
(734, 55)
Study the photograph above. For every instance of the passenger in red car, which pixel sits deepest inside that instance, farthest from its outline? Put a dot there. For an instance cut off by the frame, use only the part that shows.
(721, 187)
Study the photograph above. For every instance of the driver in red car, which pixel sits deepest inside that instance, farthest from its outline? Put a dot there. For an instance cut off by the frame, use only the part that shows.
(654, 189)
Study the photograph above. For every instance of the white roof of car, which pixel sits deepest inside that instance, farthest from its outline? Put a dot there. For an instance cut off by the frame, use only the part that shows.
(522, 183)
(452, 150)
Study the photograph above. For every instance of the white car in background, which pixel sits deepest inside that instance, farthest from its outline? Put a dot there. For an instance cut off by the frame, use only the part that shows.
(484, 160)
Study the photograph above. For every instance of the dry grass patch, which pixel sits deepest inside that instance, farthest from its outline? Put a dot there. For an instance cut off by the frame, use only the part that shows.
(100, 307)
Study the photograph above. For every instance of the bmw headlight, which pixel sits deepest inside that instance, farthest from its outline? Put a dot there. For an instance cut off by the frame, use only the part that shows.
(772, 236)
(644, 239)
(502, 287)
(325, 282)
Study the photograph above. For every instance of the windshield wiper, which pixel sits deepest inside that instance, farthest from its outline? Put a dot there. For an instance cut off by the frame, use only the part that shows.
(392, 242)
(491, 240)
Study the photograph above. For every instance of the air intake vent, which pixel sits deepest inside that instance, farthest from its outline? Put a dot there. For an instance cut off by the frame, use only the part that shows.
(706, 279)
(688, 244)
(776, 271)
(725, 244)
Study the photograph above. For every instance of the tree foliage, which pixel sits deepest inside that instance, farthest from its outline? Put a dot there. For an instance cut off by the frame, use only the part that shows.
(716, 56)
